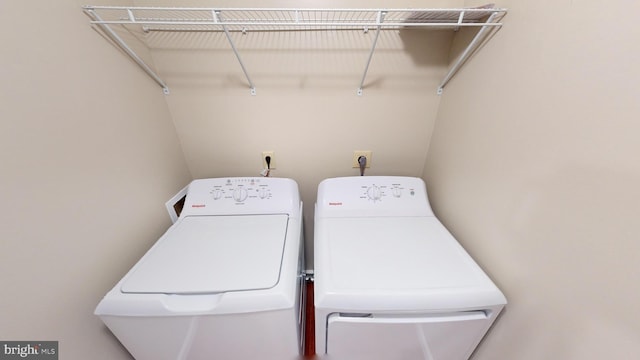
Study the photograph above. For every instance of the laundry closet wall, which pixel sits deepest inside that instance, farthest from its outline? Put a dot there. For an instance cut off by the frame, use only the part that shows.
(88, 156)
(534, 166)
(306, 108)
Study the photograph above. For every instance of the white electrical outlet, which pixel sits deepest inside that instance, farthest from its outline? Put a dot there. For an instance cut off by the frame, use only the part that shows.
(356, 156)
(272, 164)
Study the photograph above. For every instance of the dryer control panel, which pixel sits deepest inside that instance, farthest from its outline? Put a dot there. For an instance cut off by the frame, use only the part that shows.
(373, 196)
(239, 195)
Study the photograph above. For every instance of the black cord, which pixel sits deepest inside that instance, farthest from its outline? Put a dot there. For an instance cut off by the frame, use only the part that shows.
(362, 160)
(267, 159)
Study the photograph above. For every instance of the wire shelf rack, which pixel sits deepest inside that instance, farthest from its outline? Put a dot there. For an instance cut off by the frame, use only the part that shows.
(149, 19)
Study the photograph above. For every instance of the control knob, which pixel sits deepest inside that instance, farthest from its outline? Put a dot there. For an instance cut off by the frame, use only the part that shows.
(240, 194)
(374, 193)
(217, 194)
(263, 193)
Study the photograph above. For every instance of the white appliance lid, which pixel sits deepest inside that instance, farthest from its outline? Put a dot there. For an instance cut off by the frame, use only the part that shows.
(395, 255)
(213, 254)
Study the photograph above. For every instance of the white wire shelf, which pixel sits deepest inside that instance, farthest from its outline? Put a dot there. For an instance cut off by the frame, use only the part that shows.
(148, 19)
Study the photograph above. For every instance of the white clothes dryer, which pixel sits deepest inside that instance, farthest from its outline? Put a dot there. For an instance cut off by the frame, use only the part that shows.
(224, 282)
(391, 283)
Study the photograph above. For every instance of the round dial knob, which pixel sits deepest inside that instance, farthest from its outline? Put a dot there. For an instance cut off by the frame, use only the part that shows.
(373, 193)
(397, 192)
(263, 193)
(240, 194)
(217, 194)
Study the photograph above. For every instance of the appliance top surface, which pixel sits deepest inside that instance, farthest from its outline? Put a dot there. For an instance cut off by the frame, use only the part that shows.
(395, 254)
(378, 246)
(396, 264)
(238, 195)
(361, 196)
(213, 254)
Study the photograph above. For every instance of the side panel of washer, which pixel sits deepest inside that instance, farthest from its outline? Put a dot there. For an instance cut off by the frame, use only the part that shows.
(263, 335)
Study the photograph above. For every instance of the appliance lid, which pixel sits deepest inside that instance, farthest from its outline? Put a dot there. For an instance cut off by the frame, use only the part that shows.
(213, 254)
(394, 255)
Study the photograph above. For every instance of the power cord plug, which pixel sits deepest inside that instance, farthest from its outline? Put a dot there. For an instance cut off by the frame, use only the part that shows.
(362, 161)
(265, 172)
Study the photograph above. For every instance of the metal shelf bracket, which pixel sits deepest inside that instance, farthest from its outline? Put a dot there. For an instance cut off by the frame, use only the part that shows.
(123, 45)
(379, 20)
(468, 51)
(218, 19)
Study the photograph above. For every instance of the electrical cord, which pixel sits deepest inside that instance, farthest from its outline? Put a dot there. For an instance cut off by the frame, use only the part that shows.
(362, 161)
(267, 171)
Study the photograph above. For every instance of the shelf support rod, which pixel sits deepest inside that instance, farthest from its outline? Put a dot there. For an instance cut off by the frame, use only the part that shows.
(471, 48)
(118, 40)
(381, 15)
(218, 18)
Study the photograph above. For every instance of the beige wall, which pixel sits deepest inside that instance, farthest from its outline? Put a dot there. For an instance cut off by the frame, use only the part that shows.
(533, 165)
(88, 156)
(90, 153)
(306, 108)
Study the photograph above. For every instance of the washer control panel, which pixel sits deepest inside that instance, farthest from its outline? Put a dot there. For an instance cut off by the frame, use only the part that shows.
(377, 192)
(241, 195)
(240, 190)
(373, 196)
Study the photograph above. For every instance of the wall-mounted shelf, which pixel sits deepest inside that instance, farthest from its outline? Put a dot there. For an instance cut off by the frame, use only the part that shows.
(226, 20)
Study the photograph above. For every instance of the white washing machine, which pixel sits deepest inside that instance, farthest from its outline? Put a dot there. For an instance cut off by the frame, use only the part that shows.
(391, 283)
(224, 282)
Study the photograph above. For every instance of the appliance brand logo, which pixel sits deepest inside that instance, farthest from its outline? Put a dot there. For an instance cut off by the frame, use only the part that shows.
(29, 350)
(198, 205)
(336, 203)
